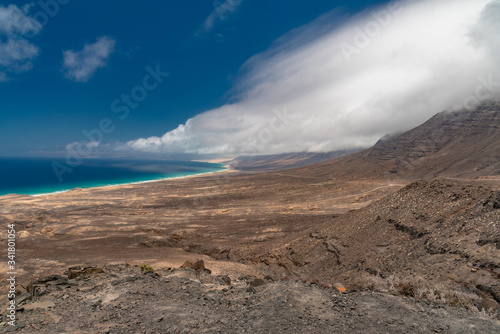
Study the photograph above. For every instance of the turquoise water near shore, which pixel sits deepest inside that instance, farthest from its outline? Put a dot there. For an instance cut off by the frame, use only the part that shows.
(35, 176)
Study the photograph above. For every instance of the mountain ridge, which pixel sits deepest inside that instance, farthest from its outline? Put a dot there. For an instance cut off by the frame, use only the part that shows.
(463, 144)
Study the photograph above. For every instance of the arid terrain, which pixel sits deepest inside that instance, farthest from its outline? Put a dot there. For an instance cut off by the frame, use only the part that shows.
(417, 211)
(125, 300)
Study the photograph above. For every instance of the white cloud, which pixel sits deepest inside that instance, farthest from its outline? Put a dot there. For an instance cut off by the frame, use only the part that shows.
(425, 57)
(16, 51)
(222, 11)
(81, 65)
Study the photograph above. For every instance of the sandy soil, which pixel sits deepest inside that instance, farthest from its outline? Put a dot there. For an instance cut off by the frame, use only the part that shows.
(163, 222)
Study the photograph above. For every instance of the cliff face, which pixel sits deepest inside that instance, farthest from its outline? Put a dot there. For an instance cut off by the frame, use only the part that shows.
(458, 144)
(449, 144)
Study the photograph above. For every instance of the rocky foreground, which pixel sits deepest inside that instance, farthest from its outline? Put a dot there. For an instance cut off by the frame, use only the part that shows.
(128, 299)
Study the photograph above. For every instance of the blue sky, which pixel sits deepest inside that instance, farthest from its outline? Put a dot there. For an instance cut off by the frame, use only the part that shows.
(202, 44)
(62, 68)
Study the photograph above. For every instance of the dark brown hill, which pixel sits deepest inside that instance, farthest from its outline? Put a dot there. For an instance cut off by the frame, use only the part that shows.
(262, 163)
(451, 144)
(441, 230)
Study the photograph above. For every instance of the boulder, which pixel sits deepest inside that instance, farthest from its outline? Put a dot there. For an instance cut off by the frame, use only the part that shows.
(198, 266)
(256, 282)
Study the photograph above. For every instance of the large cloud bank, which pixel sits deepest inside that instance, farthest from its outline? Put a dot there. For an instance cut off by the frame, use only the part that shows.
(342, 83)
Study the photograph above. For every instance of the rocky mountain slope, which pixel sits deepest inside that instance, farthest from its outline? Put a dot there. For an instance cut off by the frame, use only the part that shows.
(442, 230)
(277, 162)
(462, 144)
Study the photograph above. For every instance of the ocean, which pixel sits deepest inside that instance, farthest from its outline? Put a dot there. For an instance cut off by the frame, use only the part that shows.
(36, 176)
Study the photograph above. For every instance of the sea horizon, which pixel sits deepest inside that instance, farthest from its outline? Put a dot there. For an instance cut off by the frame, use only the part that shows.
(35, 176)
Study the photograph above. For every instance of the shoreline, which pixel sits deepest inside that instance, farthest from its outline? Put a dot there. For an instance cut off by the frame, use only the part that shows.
(227, 168)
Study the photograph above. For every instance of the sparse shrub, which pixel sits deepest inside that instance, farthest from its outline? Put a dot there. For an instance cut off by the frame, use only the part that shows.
(484, 313)
(371, 283)
(420, 288)
(146, 268)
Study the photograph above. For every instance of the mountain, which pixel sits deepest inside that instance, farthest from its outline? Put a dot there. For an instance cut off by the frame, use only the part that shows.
(462, 144)
(276, 162)
(444, 225)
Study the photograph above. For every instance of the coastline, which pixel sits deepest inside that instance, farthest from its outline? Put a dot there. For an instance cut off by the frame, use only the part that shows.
(227, 168)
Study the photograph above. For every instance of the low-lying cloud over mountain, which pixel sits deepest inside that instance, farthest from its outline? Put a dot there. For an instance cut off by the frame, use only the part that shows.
(342, 83)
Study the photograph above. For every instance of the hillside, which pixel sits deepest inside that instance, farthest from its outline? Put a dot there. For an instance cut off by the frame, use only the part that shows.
(261, 163)
(462, 144)
(442, 230)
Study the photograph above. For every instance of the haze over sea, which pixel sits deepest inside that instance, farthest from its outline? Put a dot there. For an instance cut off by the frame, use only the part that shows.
(35, 176)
